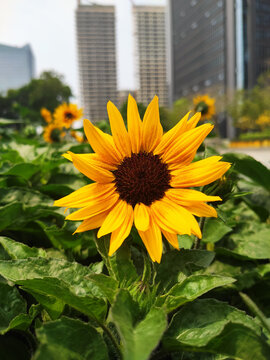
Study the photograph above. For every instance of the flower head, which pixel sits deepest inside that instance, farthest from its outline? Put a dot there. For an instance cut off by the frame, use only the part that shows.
(66, 114)
(143, 176)
(205, 105)
(53, 133)
(264, 120)
(46, 114)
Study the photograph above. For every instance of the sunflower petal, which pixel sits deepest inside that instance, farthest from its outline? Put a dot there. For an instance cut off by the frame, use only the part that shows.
(101, 143)
(134, 125)
(193, 121)
(170, 136)
(92, 223)
(82, 196)
(152, 240)
(114, 219)
(119, 132)
(175, 218)
(92, 169)
(95, 207)
(172, 238)
(186, 196)
(201, 209)
(141, 217)
(120, 234)
(94, 158)
(187, 144)
(151, 128)
(199, 173)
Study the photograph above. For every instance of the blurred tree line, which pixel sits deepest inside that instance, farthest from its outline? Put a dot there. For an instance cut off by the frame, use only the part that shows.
(250, 109)
(49, 91)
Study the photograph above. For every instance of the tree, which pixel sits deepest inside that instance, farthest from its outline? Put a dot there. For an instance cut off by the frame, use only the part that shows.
(48, 91)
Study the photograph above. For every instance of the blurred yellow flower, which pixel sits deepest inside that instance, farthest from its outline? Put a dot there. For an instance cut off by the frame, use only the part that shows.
(76, 136)
(205, 105)
(53, 133)
(66, 114)
(263, 120)
(46, 114)
(142, 175)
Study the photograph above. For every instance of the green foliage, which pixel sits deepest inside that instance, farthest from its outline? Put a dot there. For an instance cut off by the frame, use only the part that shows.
(48, 91)
(62, 297)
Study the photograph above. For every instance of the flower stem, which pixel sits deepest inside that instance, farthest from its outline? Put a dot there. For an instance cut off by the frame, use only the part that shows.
(198, 240)
(256, 311)
(112, 338)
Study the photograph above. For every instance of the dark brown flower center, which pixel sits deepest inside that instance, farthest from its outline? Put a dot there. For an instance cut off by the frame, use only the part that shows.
(142, 178)
(69, 116)
(202, 107)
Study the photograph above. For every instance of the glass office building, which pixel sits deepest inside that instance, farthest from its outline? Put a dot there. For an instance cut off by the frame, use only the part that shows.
(17, 67)
(217, 46)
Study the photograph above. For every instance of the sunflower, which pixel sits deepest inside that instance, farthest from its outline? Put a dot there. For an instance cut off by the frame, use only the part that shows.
(205, 105)
(143, 176)
(53, 133)
(66, 114)
(46, 114)
(263, 120)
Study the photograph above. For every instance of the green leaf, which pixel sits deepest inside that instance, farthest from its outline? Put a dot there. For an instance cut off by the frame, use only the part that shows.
(214, 230)
(18, 250)
(120, 265)
(11, 305)
(255, 245)
(70, 339)
(250, 167)
(182, 262)
(209, 325)
(139, 338)
(24, 170)
(107, 285)
(58, 278)
(191, 288)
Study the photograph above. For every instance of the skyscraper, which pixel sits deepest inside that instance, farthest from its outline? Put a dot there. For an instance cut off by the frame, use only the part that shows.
(97, 58)
(17, 66)
(150, 52)
(217, 46)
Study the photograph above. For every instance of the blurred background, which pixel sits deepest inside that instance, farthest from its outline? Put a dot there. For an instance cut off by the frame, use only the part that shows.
(211, 56)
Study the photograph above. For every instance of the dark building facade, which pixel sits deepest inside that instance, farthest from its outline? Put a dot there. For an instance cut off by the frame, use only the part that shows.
(217, 46)
(198, 46)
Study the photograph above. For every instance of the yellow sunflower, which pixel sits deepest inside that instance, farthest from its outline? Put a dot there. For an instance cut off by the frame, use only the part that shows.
(143, 176)
(66, 114)
(205, 105)
(263, 120)
(53, 133)
(46, 114)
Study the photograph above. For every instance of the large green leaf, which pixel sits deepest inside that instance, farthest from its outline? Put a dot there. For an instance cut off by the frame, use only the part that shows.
(255, 244)
(60, 279)
(180, 263)
(70, 339)
(214, 230)
(11, 305)
(191, 288)
(24, 170)
(212, 326)
(250, 167)
(139, 338)
(20, 251)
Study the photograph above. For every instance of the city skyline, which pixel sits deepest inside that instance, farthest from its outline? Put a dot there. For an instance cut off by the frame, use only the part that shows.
(54, 39)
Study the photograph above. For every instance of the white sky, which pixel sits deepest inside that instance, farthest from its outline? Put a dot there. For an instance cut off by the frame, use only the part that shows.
(49, 27)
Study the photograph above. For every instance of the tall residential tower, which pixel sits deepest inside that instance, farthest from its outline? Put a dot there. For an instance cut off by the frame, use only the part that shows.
(96, 44)
(151, 60)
